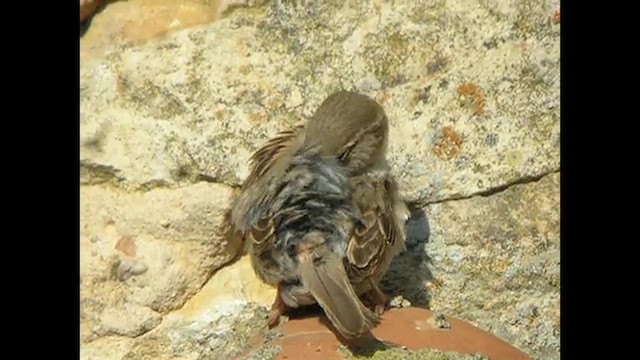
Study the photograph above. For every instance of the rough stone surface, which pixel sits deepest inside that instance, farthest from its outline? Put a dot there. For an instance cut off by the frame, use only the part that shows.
(471, 89)
(106, 348)
(493, 261)
(128, 320)
(213, 324)
(220, 331)
(173, 104)
(173, 242)
(130, 22)
(234, 281)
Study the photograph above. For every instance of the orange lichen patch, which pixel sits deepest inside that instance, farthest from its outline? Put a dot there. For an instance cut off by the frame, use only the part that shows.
(257, 117)
(377, 7)
(448, 144)
(471, 91)
(135, 21)
(275, 101)
(242, 40)
(382, 97)
(127, 245)
(555, 18)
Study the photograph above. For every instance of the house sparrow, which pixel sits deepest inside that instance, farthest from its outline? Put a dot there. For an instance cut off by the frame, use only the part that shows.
(321, 213)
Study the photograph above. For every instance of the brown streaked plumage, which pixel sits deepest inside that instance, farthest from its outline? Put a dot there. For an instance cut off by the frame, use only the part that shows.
(380, 236)
(321, 213)
(273, 152)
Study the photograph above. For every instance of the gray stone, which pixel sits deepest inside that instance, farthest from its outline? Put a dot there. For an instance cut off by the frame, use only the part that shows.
(221, 332)
(170, 264)
(129, 320)
(466, 86)
(493, 261)
(167, 127)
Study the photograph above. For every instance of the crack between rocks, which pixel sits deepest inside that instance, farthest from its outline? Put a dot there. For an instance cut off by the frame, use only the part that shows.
(110, 177)
(488, 192)
(97, 174)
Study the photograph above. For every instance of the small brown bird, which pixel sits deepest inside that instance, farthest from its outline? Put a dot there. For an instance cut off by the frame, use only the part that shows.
(321, 213)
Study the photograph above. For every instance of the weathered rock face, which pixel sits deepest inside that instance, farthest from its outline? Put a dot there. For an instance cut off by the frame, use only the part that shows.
(144, 254)
(121, 22)
(168, 124)
(471, 88)
(494, 261)
(218, 333)
(214, 324)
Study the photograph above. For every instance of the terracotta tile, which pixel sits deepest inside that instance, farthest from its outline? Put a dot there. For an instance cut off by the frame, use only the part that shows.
(312, 338)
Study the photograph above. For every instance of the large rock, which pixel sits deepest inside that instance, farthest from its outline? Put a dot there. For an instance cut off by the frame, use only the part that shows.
(144, 254)
(214, 323)
(471, 89)
(491, 260)
(135, 21)
(220, 332)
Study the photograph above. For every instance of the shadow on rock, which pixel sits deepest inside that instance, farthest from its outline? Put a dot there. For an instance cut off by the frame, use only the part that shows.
(409, 271)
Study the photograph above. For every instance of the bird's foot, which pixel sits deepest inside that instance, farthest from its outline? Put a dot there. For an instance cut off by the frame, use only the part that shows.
(379, 299)
(278, 308)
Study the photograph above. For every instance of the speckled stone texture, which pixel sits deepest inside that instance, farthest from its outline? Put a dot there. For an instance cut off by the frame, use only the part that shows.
(169, 119)
(491, 260)
(471, 89)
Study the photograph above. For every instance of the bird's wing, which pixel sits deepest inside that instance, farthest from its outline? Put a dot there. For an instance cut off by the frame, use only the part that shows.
(272, 154)
(250, 216)
(267, 165)
(379, 235)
